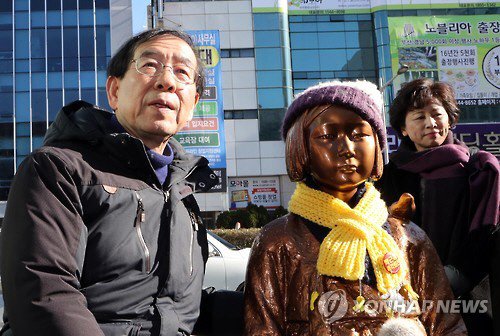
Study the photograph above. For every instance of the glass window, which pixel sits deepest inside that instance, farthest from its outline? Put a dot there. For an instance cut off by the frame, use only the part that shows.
(331, 26)
(22, 66)
(5, 6)
(54, 64)
(305, 60)
(235, 53)
(101, 79)
(70, 42)
(359, 39)
(299, 75)
(103, 99)
(350, 17)
(267, 38)
(271, 98)
(6, 45)
(71, 79)
(349, 26)
(302, 84)
(331, 40)
(86, 42)
(22, 44)
(70, 63)
(70, 96)
(102, 17)
(269, 79)
(55, 102)
(38, 43)
(247, 52)
(53, 4)
(55, 80)
(102, 62)
(87, 78)
(22, 106)
(224, 53)
(266, 21)
(268, 58)
(38, 141)
(69, 17)
(22, 20)
(86, 17)
(303, 27)
(23, 146)
(365, 17)
(361, 59)
(304, 40)
(38, 104)
(309, 18)
(89, 95)
(87, 63)
(21, 5)
(54, 42)
(332, 59)
(101, 3)
(365, 25)
(53, 18)
(6, 108)
(70, 4)
(270, 124)
(6, 82)
(22, 82)
(38, 81)
(37, 18)
(295, 18)
(86, 4)
(103, 41)
(6, 66)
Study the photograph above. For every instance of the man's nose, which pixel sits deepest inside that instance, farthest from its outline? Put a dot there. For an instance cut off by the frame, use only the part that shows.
(166, 81)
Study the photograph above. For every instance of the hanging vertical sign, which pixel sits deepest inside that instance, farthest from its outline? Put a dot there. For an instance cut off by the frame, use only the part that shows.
(204, 134)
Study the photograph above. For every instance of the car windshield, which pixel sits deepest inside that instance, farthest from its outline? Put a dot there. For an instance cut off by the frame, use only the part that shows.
(223, 242)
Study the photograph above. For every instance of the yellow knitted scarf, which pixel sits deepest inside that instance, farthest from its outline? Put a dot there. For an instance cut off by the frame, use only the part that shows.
(353, 231)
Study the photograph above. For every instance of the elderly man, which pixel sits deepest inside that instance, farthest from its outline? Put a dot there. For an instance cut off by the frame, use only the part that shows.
(102, 234)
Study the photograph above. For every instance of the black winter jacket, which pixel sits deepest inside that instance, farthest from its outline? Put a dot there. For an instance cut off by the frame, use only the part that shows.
(93, 245)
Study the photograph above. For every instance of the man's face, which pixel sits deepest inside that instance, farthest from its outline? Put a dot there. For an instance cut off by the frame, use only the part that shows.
(155, 108)
(427, 127)
(342, 151)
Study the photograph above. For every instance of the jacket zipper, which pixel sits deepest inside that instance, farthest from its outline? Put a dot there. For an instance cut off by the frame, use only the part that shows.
(194, 226)
(139, 219)
(194, 229)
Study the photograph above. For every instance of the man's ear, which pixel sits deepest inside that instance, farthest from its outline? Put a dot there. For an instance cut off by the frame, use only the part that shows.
(112, 86)
(403, 131)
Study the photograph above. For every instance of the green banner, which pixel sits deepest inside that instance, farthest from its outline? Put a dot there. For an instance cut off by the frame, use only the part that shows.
(206, 109)
(198, 139)
(461, 50)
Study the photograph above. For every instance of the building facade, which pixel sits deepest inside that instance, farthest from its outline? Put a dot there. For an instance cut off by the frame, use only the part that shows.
(269, 49)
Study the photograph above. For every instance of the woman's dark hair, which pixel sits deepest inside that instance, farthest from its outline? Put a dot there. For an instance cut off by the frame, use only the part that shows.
(419, 93)
(119, 63)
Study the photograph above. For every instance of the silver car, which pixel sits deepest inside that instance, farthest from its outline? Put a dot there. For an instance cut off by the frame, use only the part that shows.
(226, 265)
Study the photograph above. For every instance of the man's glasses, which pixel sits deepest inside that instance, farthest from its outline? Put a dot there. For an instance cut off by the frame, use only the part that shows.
(152, 67)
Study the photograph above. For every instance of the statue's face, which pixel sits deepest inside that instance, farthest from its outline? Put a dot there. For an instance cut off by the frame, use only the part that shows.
(342, 151)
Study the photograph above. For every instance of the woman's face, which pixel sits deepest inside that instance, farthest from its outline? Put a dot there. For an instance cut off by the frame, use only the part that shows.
(427, 127)
(341, 149)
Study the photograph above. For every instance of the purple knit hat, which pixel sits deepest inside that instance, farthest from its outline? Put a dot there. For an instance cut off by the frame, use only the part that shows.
(362, 97)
